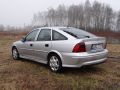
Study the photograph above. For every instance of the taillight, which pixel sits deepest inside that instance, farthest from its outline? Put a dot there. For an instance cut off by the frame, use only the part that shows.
(80, 47)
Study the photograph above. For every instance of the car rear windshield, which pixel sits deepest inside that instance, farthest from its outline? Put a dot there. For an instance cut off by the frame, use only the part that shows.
(77, 33)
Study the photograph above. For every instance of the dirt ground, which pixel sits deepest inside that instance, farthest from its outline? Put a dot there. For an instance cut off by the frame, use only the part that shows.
(27, 75)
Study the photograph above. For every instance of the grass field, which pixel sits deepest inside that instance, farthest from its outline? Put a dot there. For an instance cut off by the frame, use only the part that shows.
(28, 75)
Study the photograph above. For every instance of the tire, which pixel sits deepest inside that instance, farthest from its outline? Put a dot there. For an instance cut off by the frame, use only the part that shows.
(15, 53)
(55, 63)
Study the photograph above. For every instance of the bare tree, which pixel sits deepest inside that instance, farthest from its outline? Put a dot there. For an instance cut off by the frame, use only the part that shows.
(61, 16)
(87, 14)
(73, 16)
(96, 10)
(118, 21)
(1, 28)
(109, 18)
(51, 15)
(81, 16)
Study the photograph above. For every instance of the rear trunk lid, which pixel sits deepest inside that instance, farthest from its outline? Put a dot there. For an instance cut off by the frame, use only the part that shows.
(95, 44)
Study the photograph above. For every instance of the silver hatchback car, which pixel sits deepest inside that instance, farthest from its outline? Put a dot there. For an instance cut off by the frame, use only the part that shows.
(61, 47)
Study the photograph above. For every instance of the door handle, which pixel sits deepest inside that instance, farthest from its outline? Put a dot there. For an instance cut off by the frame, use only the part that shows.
(46, 45)
(31, 45)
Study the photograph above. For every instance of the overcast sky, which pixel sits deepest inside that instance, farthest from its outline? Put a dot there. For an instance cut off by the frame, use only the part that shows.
(20, 12)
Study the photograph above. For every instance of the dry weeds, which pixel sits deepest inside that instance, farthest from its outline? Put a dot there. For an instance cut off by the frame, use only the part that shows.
(27, 75)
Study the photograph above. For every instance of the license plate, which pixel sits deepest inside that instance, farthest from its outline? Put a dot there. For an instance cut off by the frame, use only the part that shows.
(97, 47)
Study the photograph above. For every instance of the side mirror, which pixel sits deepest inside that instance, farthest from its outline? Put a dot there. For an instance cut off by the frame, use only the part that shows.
(23, 39)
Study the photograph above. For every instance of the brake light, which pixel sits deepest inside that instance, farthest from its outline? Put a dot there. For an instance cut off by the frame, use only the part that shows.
(80, 47)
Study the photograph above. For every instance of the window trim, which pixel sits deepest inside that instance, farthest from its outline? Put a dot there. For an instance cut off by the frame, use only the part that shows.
(39, 33)
(59, 33)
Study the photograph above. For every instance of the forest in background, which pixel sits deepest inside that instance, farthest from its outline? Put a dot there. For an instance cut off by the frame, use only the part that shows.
(88, 16)
(97, 18)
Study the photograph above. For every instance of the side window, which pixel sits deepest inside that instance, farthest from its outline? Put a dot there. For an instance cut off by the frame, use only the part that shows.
(44, 35)
(57, 36)
(31, 36)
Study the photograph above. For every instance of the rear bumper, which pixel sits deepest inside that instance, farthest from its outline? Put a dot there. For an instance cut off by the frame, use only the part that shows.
(83, 59)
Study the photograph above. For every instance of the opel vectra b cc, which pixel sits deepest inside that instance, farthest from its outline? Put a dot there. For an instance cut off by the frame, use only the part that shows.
(61, 47)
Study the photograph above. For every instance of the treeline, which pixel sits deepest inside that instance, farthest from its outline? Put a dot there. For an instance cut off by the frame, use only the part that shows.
(89, 16)
(15, 29)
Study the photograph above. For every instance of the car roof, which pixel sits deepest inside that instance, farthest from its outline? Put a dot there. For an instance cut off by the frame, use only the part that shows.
(55, 28)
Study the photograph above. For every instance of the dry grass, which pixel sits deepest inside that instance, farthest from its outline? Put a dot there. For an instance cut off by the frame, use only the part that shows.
(114, 50)
(27, 75)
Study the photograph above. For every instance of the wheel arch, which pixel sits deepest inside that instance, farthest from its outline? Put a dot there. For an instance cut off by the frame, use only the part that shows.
(13, 47)
(54, 52)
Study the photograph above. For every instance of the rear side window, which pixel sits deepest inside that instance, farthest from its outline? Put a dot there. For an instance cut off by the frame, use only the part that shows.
(58, 36)
(44, 35)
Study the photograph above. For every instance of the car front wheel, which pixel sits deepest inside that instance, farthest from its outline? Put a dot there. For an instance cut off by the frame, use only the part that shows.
(15, 54)
(55, 63)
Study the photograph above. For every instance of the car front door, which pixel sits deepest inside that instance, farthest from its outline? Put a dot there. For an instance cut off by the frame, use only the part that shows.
(43, 44)
(27, 46)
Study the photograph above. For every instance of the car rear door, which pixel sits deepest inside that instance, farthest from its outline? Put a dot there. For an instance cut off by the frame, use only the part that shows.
(43, 44)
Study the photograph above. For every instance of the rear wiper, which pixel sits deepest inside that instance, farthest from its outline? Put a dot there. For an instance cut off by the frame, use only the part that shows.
(71, 34)
(84, 37)
(87, 36)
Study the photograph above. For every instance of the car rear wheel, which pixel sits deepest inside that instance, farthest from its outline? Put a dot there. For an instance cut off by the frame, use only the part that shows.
(55, 63)
(15, 54)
